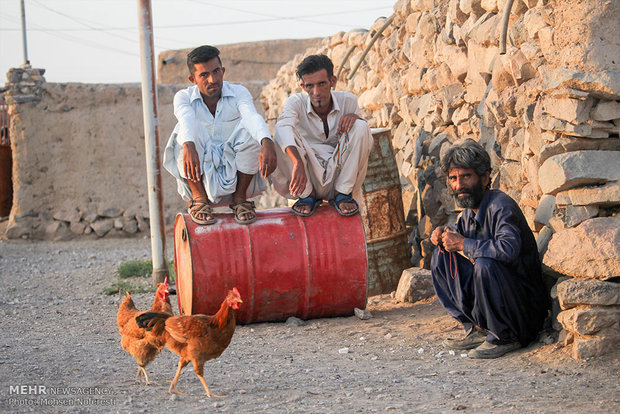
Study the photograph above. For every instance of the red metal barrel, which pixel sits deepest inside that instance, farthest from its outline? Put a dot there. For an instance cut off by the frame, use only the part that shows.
(283, 265)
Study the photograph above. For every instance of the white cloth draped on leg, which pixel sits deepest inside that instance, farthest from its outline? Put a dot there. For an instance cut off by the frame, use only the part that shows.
(219, 162)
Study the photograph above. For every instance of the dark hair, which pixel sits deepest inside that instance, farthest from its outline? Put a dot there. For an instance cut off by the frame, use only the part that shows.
(466, 154)
(200, 55)
(313, 64)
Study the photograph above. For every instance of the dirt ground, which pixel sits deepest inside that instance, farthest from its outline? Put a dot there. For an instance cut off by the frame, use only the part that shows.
(60, 352)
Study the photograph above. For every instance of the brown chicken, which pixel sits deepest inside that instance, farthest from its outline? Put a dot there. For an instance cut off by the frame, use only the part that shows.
(138, 342)
(195, 338)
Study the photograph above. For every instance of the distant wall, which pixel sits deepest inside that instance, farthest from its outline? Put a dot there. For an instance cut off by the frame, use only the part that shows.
(79, 161)
(244, 62)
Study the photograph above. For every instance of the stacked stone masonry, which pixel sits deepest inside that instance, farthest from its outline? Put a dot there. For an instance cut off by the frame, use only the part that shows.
(548, 112)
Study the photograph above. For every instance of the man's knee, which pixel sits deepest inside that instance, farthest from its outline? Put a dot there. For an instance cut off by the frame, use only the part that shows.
(486, 268)
(360, 130)
(437, 262)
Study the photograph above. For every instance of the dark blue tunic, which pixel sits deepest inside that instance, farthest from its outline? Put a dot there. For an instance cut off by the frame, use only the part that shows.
(503, 291)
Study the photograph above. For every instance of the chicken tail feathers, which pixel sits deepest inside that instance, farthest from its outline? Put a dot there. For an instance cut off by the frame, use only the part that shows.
(150, 320)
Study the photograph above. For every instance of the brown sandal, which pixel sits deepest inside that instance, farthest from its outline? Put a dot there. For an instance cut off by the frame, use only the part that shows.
(243, 209)
(196, 208)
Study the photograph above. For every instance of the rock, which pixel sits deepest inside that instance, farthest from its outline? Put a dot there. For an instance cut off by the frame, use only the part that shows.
(110, 212)
(511, 177)
(415, 284)
(69, 214)
(578, 214)
(471, 6)
(604, 84)
(542, 240)
(489, 5)
(77, 227)
(118, 223)
(373, 99)
(564, 171)
(588, 321)
(575, 111)
(576, 292)
(130, 226)
(363, 314)
(534, 21)
(550, 123)
(511, 70)
(571, 144)
(545, 211)
(293, 321)
(590, 250)
(590, 346)
(455, 13)
(425, 226)
(605, 195)
(102, 226)
(606, 111)
(52, 228)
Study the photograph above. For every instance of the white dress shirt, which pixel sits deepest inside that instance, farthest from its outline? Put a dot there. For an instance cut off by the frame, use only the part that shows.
(235, 106)
(299, 116)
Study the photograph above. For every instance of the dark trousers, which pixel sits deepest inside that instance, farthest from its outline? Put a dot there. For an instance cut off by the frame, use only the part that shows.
(488, 294)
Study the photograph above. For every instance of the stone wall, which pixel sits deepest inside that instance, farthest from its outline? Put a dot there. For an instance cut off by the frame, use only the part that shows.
(548, 112)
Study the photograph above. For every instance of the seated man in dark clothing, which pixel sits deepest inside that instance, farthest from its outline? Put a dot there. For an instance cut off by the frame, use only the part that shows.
(486, 269)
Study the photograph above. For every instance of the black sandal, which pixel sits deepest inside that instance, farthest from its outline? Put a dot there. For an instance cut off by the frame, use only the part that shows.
(310, 201)
(344, 198)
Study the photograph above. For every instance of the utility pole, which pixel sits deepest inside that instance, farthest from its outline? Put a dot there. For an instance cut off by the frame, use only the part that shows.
(26, 61)
(151, 142)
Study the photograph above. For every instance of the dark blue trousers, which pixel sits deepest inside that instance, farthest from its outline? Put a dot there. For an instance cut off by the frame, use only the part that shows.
(489, 295)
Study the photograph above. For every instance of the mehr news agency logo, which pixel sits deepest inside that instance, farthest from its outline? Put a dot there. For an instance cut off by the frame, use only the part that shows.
(43, 395)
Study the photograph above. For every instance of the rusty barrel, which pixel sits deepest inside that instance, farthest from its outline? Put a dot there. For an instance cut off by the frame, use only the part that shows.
(383, 217)
(283, 265)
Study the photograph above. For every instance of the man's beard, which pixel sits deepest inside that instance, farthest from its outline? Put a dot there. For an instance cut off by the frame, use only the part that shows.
(472, 198)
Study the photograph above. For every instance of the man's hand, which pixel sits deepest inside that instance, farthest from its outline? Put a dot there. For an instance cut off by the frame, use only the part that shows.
(267, 158)
(346, 122)
(436, 236)
(298, 180)
(298, 177)
(191, 162)
(452, 241)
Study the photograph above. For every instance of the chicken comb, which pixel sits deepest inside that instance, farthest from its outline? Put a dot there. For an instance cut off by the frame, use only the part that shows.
(236, 292)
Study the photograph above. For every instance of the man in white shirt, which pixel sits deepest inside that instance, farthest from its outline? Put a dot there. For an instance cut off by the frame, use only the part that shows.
(323, 143)
(219, 144)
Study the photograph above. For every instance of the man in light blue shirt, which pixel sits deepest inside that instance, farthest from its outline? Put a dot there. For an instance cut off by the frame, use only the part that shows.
(220, 143)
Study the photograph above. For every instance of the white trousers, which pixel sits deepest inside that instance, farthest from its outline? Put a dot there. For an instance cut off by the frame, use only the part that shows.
(343, 172)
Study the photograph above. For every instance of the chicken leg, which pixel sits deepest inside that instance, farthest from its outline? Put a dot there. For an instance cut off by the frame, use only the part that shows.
(173, 385)
(199, 370)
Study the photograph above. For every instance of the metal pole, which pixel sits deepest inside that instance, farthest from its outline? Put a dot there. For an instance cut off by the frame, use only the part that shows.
(372, 42)
(26, 61)
(151, 142)
(504, 27)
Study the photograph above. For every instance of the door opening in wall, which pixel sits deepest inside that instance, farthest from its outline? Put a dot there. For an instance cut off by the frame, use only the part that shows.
(6, 163)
